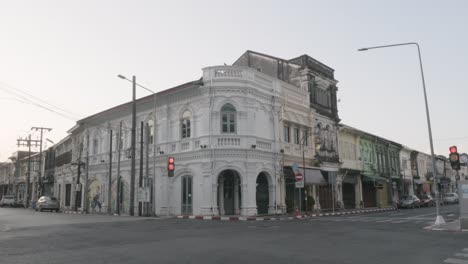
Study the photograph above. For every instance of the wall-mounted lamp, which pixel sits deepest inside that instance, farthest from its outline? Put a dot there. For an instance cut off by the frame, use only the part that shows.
(161, 152)
(254, 146)
(281, 150)
(203, 146)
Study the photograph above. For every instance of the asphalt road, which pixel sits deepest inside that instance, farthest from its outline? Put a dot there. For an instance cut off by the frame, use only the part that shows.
(383, 237)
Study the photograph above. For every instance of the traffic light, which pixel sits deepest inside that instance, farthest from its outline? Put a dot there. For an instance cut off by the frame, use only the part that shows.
(170, 166)
(454, 158)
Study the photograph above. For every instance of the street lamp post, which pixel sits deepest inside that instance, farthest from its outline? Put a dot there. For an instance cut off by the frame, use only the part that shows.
(439, 218)
(133, 140)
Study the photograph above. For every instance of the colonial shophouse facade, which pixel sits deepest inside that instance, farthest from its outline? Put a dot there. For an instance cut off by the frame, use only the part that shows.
(234, 134)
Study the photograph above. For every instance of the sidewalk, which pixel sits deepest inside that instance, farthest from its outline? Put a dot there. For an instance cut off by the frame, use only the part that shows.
(282, 217)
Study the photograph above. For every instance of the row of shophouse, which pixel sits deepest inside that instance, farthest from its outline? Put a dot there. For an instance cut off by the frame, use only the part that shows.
(236, 134)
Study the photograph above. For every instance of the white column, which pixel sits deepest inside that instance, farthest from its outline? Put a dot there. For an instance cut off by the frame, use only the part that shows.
(316, 197)
(214, 192)
(339, 190)
(411, 188)
(358, 191)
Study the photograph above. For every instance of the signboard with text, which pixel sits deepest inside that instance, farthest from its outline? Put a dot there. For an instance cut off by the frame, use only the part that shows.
(143, 195)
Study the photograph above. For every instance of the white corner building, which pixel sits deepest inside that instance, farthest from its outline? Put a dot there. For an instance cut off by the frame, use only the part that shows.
(234, 134)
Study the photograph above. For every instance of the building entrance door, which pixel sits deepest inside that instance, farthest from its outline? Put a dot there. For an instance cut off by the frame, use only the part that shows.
(187, 195)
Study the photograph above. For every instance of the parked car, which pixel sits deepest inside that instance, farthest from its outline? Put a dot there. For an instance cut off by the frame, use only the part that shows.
(47, 203)
(8, 200)
(450, 198)
(409, 201)
(427, 200)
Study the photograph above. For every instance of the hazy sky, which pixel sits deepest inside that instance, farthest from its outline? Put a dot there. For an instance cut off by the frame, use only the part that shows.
(69, 53)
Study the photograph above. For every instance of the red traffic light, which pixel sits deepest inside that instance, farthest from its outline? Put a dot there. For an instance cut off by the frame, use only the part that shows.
(171, 160)
(453, 149)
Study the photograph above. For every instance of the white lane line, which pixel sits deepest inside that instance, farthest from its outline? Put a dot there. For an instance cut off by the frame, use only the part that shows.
(401, 221)
(456, 261)
(384, 221)
(461, 255)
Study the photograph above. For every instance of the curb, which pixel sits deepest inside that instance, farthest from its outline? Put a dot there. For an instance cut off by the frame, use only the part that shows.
(255, 218)
(72, 212)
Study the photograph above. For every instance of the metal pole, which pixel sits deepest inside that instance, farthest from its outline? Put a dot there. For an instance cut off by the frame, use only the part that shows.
(109, 190)
(303, 166)
(78, 178)
(153, 185)
(439, 218)
(132, 176)
(26, 202)
(39, 182)
(85, 185)
(140, 179)
(119, 147)
(146, 178)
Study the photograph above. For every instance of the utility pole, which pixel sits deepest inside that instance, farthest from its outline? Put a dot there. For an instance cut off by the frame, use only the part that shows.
(119, 148)
(27, 142)
(132, 173)
(146, 179)
(79, 163)
(40, 186)
(140, 180)
(85, 185)
(109, 190)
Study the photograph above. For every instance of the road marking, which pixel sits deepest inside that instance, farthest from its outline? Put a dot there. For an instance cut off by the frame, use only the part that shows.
(456, 261)
(401, 221)
(451, 215)
(465, 249)
(461, 255)
(384, 221)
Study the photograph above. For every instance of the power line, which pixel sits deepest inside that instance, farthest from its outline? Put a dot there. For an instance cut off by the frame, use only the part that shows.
(447, 139)
(39, 99)
(39, 105)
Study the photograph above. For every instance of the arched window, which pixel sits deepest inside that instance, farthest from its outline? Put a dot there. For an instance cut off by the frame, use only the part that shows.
(228, 118)
(185, 124)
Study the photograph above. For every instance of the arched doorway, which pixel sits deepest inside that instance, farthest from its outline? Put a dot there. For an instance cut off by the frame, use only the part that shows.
(229, 192)
(186, 197)
(262, 194)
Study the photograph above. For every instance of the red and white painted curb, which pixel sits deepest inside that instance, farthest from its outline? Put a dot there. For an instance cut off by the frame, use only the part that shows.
(72, 212)
(255, 218)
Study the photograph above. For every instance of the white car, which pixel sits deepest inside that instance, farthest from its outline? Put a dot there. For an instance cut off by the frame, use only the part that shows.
(7, 200)
(450, 198)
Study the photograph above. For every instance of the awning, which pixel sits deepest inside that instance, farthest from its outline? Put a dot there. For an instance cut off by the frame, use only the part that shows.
(373, 178)
(313, 176)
